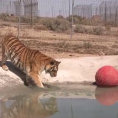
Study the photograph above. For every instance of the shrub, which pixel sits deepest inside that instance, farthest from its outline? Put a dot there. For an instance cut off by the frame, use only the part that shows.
(87, 45)
(55, 24)
(76, 19)
(98, 30)
(25, 20)
(60, 16)
(7, 17)
(40, 27)
(80, 29)
(3, 16)
(108, 28)
(62, 25)
(48, 22)
(83, 29)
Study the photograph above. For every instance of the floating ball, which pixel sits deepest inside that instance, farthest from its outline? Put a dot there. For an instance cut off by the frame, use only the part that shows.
(107, 76)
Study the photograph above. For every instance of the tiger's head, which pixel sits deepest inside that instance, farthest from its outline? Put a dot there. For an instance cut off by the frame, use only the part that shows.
(52, 68)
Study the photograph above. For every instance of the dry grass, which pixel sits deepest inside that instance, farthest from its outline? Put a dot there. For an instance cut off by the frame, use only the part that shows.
(57, 44)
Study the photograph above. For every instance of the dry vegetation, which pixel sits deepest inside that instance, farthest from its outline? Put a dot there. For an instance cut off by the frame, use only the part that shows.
(52, 36)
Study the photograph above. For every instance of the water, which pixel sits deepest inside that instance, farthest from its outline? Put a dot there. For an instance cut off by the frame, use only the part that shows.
(60, 101)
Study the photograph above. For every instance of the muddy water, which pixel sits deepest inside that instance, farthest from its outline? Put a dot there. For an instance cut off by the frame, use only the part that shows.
(59, 101)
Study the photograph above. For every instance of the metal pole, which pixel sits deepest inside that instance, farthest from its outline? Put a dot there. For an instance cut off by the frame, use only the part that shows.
(69, 9)
(116, 15)
(31, 14)
(19, 19)
(105, 13)
(72, 20)
(10, 8)
(52, 11)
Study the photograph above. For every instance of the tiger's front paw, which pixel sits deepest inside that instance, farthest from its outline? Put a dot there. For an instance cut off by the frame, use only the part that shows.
(40, 85)
(4, 67)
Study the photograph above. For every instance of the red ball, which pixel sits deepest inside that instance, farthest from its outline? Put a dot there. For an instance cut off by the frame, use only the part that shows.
(107, 76)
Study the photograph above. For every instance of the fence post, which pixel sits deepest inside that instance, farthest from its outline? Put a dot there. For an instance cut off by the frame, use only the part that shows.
(19, 18)
(72, 19)
(31, 13)
(69, 8)
(116, 15)
(105, 13)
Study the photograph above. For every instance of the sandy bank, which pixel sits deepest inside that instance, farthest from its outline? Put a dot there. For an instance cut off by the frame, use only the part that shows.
(82, 69)
(70, 70)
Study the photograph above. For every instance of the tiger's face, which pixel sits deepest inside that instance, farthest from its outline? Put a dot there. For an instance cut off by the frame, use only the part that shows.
(52, 68)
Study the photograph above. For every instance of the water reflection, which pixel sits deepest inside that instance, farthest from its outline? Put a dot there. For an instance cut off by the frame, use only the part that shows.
(40, 104)
(107, 96)
(28, 107)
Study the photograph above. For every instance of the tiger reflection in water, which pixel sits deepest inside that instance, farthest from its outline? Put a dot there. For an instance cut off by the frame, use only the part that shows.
(28, 107)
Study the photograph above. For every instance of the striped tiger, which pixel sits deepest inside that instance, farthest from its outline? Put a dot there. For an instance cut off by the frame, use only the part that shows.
(30, 61)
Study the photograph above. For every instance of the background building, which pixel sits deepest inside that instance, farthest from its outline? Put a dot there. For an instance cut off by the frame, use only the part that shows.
(30, 8)
(19, 8)
(7, 6)
(23, 8)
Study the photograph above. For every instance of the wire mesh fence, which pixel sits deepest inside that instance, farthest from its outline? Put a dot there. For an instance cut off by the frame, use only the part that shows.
(30, 10)
(62, 14)
(52, 20)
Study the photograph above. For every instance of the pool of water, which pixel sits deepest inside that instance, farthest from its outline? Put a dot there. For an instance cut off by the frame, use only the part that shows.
(60, 101)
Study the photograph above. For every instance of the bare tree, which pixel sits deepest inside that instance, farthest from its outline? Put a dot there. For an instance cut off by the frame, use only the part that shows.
(72, 18)
(116, 15)
(105, 13)
(91, 11)
(96, 11)
(19, 19)
(110, 14)
(52, 10)
(31, 14)
(69, 9)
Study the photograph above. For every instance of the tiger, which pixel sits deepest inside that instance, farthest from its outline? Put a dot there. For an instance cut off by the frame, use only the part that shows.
(32, 62)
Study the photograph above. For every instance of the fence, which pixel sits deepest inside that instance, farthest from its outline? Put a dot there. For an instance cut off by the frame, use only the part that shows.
(35, 12)
(71, 20)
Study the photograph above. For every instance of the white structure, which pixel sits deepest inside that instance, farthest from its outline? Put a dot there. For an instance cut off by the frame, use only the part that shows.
(82, 69)
(19, 7)
(30, 8)
(7, 6)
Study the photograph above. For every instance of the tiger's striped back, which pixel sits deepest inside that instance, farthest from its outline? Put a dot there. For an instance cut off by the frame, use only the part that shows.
(15, 51)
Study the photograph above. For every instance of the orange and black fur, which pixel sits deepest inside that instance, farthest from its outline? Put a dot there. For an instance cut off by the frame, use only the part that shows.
(30, 61)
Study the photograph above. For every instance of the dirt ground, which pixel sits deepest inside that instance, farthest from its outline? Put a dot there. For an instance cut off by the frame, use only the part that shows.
(60, 45)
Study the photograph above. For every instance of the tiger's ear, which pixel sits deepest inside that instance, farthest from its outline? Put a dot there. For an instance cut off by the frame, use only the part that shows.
(52, 63)
(58, 62)
(55, 62)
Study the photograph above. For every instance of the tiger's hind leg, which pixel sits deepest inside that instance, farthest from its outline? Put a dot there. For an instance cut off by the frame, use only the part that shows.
(26, 81)
(4, 59)
(29, 82)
